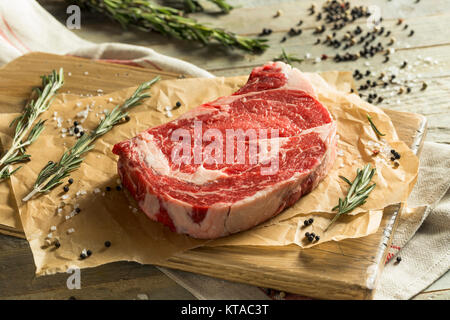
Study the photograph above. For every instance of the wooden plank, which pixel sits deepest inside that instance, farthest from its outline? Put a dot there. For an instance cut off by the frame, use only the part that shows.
(356, 262)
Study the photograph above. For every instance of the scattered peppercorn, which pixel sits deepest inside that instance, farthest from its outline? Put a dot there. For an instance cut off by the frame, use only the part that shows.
(70, 181)
(82, 256)
(317, 238)
(398, 259)
(81, 133)
(311, 220)
(411, 33)
(307, 234)
(311, 238)
(284, 39)
(75, 123)
(127, 118)
(306, 223)
(118, 188)
(107, 244)
(108, 188)
(57, 244)
(89, 253)
(66, 189)
(76, 130)
(77, 210)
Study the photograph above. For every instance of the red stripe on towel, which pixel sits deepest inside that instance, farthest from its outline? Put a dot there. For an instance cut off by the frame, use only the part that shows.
(14, 35)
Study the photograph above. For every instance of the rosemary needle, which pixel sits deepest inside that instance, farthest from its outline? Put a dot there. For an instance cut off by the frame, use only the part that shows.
(54, 172)
(374, 127)
(357, 194)
(288, 58)
(27, 130)
(194, 6)
(149, 16)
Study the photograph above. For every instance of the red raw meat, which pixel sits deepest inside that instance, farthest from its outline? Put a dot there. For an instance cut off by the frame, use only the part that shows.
(208, 198)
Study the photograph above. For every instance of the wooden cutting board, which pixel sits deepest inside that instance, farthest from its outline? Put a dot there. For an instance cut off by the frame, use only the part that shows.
(346, 269)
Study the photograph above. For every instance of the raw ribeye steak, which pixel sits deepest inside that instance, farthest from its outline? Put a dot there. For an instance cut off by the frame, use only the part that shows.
(230, 164)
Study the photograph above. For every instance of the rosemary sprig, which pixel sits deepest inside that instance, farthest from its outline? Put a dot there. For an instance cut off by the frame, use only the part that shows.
(146, 15)
(374, 127)
(288, 58)
(27, 129)
(53, 173)
(357, 194)
(195, 6)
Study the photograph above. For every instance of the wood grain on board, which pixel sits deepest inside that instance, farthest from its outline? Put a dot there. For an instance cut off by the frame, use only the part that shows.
(344, 269)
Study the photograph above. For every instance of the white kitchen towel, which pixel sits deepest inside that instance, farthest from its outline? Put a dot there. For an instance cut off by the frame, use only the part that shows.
(422, 238)
(25, 27)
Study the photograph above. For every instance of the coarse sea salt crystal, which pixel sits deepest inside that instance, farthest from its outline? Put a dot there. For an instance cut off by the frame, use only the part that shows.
(169, 114)
(64, 197)
(69, 74)
(71, 230)
(96, 190)
(59, 210)
(53, 228)
(86, 73)
(78, 104)
(135, 210)
(110, 99)
(340, 153)
(50, 235)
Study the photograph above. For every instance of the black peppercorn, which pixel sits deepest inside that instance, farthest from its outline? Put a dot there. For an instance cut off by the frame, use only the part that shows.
(307, 234)
(306, 223)
(107, 244)
(77, 210)
(57, 244)
(392, 159)
(317, 238)
(108, 188)
(66, 188)
(178, 104)
(70, 181)
(76, 130)
(82, 256)
(398, 259)
(310, 220)
(89, 253)
(127, 118)
(118, 188)
(75, 123)
(311, 238)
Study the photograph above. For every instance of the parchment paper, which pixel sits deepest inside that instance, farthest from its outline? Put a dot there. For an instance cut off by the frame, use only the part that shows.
(134, 237)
